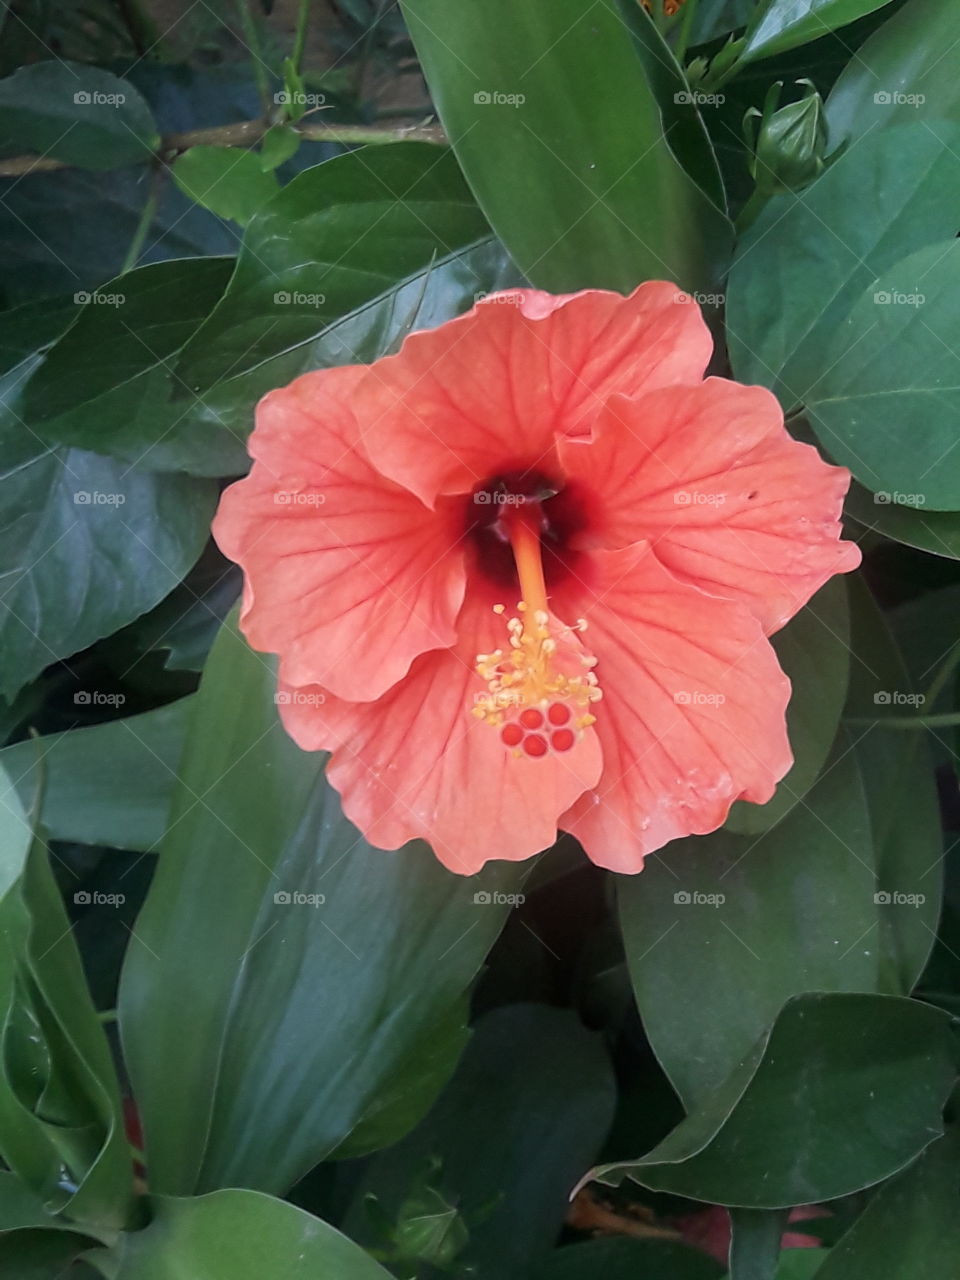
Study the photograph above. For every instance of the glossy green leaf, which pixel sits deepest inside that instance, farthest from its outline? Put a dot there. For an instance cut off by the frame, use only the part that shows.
(581, 198)
(908, 70)
(842, 1092)
(755, 1236)
(326, 953)
(713, 18)
(109, 784)
(445, 288)
(722, 929)
(800, 1264)
(620, 1258)
(779, 25)
(61, 1128)
(910, 1229)
(238, 1235)
(492, 1145)
(809, 256)
(106, 384)
(184, 625)
(901, 791)
(278, 145)
(76, 113)
(887, 407)
(32, 1253)
(338, 236)
(814, 650)
(227, 180)
(20, 1206)
(87, 544)
(937, 532)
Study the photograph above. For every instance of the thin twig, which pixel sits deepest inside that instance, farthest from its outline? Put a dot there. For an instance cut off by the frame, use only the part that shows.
(245, 133)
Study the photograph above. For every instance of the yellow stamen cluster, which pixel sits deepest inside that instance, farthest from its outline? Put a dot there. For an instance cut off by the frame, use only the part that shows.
(526, 674)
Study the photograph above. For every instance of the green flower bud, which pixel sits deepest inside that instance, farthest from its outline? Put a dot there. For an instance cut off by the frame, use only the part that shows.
(789, 150)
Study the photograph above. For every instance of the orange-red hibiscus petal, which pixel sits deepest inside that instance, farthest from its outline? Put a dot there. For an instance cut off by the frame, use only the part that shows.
(692, 716)
(348, 577)
(495, 387)
(731, 503)
(417, 763)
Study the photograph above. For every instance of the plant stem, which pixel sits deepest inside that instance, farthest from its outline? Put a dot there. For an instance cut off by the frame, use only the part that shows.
(688, 13)
(300, 39)
(252, 40)
(145, 222)
(946, 721)
(245, 133)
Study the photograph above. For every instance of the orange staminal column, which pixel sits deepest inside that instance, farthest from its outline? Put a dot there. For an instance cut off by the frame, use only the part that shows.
(540, 688)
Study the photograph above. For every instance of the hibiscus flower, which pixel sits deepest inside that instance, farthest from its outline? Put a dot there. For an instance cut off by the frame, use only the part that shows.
(521, 576)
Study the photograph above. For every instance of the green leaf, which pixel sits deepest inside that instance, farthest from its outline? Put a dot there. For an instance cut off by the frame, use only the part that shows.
(32, 1253)
(70, 230)
(442, 290)
(278, 145)
(813, 649)
(908, 70)
(226, 180)
(620, 1258)
(887, 407)
(937, 532)
(901, 792)
(110, 784)
(713, 18)
(722, 929)
(75, 113)
(910, 1229)
(755, 1243)
(494, 1142)
(87, 544)
(779, 25)
(336, 237)
(61, 1127)
(800, 1264)
(185, 624)
(241, 1080)
(581, 198)
(240, 1234)
(106, 385)
(819, 249)
(842, 1092)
